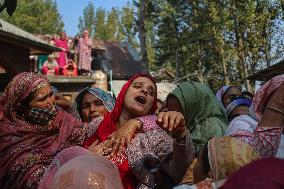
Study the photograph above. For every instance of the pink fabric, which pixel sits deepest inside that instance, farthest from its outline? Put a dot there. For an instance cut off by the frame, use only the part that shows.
(262, 95)
(265, 140)
(62, 59)
(45, 71)
(26, 150)
(85, 48)
(149, 122)
(60, 159)
(87, 172)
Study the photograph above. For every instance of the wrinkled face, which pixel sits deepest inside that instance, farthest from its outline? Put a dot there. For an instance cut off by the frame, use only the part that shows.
(140, 96)
(199, 173)
(92, 107)
(239, 110)
(44, 98)
(231, 93)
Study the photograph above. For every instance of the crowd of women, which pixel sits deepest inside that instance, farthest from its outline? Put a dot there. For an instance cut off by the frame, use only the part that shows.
(195, 140)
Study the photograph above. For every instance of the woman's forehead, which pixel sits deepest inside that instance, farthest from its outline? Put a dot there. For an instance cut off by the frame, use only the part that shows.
(144, 80)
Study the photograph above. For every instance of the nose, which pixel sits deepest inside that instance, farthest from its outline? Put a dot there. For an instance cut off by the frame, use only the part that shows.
(144, 91)
(50, 101)
(93, 108)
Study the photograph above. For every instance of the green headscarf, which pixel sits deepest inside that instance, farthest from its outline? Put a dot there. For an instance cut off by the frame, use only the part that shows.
(203, 114)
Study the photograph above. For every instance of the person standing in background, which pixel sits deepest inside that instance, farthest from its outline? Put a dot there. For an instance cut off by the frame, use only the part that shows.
(61, 57)
(85, 49)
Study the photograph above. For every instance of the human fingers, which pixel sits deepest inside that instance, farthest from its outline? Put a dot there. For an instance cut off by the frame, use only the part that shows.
(172, 119)
(165, 120)
(115, 147)
(160, 118)
(110, 141)
(121, 145)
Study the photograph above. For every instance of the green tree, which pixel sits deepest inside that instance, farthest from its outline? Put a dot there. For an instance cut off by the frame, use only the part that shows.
(88, 20)
(100, 24)
(36, 16)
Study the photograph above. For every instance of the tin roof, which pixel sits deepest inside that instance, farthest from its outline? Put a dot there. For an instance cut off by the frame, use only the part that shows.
(119, 57)
(15, 35)
(269, 72)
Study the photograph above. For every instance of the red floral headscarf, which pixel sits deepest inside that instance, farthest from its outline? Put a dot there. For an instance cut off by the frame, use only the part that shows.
(263, 94)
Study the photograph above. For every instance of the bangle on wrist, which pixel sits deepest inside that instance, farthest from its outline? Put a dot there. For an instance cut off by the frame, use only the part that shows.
(275, 109)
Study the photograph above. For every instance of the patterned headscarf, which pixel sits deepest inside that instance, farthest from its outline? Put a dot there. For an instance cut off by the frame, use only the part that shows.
(220, 93)
(227, 154)
(21, 86)
(104, 96)
(262, 95)
(26, 150)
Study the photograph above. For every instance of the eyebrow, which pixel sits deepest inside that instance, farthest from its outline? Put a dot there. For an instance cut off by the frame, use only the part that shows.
(150, 87)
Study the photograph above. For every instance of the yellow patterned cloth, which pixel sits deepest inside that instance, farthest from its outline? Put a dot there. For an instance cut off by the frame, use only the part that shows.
(227, 155)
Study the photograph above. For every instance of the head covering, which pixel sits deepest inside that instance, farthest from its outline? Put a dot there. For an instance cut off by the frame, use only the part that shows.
(19, 89)
(87, 172)
(227, 154)
(26, 150)
(204, 115)
(220, 93)
(260, 174)
(237, 102)
(262, 95)
(108, 126)
(86, 31)
(104, 96)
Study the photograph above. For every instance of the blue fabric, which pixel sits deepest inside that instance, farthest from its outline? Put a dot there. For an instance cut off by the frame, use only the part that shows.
(237, 102)
(104, 96)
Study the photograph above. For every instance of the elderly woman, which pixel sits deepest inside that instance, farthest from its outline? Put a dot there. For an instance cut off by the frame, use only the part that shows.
(152, 149)
(93, 102)
(33, 130)
(85, 50)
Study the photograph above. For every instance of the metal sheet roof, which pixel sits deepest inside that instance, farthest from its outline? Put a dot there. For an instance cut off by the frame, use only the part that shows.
(13, 34)
(269, 72)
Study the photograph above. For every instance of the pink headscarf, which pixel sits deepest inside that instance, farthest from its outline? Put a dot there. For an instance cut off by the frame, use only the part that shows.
(26, 150)
(262, 95)
(87, 171)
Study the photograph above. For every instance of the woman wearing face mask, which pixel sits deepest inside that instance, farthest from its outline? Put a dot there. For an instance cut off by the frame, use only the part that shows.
(33, 131)
(151, 149)
(226, 93)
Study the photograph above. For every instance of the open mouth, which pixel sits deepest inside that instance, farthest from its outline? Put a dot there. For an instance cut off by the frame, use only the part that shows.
(140, 99)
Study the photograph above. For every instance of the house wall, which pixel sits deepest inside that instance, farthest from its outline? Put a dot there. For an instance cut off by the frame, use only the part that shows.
(14, 59)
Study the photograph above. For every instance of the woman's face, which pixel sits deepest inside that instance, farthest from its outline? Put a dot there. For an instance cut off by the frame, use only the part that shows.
(139, 97)
(44, 98)
(173, 104)
(85, 34)
(231, 93)
(92, 107)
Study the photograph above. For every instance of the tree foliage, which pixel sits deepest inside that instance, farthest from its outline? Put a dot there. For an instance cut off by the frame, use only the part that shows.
(36, 16)
(217, 42)
(88, 19)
